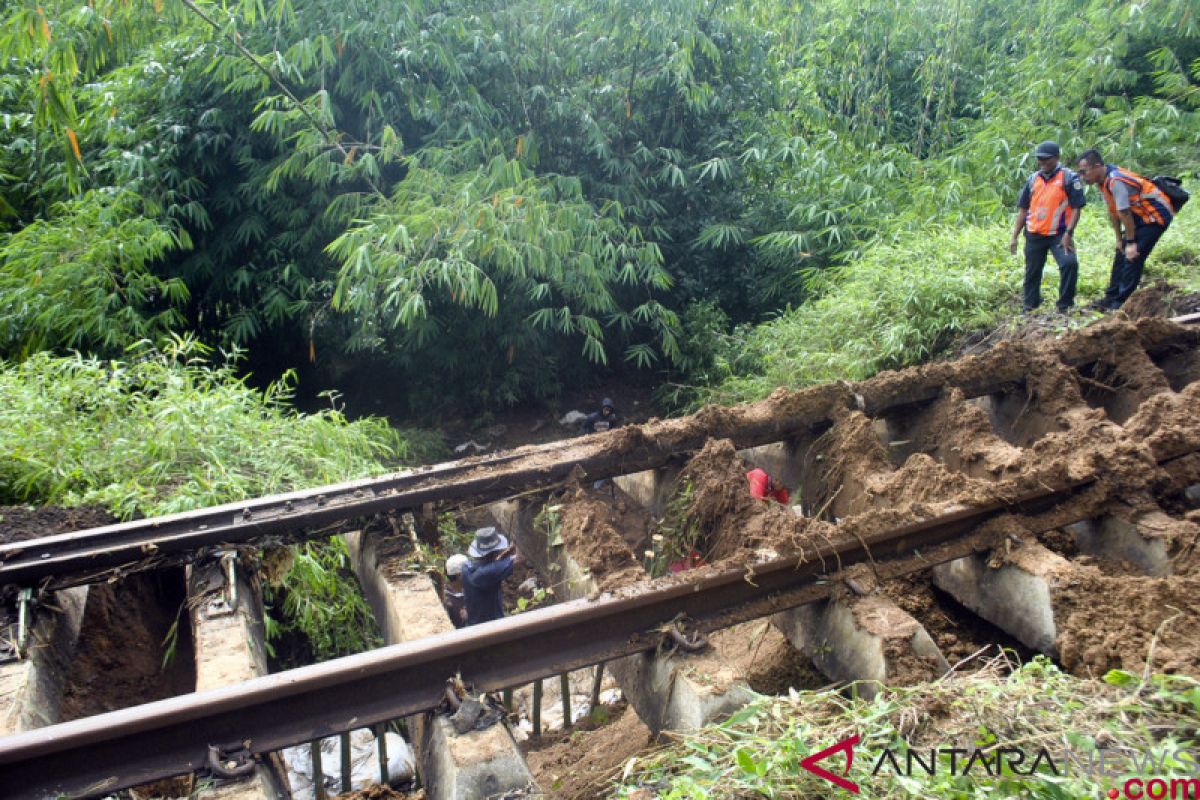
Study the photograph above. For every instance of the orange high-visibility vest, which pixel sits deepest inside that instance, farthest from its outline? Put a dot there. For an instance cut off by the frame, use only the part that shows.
(1146, 202)
(1048, 203)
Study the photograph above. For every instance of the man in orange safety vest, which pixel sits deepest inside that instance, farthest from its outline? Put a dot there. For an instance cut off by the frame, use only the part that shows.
(1048, 211)
(1139, 212)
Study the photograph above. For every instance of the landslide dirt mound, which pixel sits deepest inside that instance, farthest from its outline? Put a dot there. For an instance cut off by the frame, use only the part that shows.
(1125, 621)
(21, 523)
(626, 516)
(729, 523)
(1160, 299)
(587, 526)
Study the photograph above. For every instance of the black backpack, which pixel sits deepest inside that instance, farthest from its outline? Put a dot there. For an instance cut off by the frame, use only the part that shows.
(1173, 189)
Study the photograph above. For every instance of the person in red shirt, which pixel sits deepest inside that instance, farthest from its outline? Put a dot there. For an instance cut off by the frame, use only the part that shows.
(764, 487)
(692, 560)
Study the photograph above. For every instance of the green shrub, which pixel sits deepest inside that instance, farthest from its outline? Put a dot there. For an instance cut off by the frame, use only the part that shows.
(83, 278)
(167, 431)
(319, 597)
(758, 751)
(904, 302)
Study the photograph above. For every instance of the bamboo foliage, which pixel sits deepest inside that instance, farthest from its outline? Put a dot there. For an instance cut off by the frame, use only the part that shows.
(545, 186)
(496, 229)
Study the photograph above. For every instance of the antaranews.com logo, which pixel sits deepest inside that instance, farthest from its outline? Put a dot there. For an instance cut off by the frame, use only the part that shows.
(1113, 766)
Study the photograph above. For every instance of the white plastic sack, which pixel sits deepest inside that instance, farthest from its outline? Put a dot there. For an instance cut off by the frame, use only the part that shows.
(364, 763)
(572, 418)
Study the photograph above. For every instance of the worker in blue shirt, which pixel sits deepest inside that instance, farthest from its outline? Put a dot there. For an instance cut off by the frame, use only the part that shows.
(492, 561)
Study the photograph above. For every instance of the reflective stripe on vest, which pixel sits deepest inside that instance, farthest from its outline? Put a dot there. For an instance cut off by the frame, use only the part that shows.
(1047, 204)
(1149, 205)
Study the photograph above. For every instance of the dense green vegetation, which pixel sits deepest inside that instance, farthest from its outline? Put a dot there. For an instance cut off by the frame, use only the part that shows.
(1133, 721)
(517, 196)
(167, 431)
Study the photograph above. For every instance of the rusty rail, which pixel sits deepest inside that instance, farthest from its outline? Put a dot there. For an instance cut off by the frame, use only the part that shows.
(77, 557)
(125, 748)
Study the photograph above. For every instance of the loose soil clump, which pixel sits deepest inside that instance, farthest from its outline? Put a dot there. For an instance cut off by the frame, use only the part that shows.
(960, 435)
(587, 527)
(1124, 621)
(626, 515)
(766, 658)
(1160, 299)
(729, 524)
(958, 632)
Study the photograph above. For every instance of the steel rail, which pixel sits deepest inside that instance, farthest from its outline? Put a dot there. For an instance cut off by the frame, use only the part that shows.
(81, 554)
(125, 748)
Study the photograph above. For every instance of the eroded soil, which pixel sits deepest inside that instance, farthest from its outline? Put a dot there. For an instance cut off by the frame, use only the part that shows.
(130, 649)
(1100, 409)
(578, 765)
(21, 523)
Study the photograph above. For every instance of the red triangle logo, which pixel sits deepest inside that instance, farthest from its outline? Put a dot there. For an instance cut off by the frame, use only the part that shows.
(846, 746)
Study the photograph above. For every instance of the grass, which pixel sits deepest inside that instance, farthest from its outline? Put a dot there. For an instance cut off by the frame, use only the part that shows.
(906, 302)
(757, 752)
(166, 430)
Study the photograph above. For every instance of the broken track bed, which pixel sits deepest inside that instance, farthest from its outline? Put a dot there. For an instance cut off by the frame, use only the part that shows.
(1025, 482)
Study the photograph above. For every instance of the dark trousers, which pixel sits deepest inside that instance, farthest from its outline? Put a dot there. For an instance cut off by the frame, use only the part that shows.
(1126, 274)
(1036, 248)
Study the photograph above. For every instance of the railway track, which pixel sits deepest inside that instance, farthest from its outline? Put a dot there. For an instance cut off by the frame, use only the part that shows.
(125, 748)
(81, 557)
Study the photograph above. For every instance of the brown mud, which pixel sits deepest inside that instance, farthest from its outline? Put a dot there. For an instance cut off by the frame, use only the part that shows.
(122, 658)
(577, 765)
(732, 525)
(959, 435)
(957, 632)
(766, 659)
(1160, 299)
(626, 515)
(1128, 621)
(21, 523)
(590, 533)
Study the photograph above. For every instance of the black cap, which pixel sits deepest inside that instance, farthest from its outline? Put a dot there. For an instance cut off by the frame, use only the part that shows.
(1047, 150)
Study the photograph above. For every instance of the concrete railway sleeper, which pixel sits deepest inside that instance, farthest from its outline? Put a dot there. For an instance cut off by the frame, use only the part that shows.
(129, 747)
